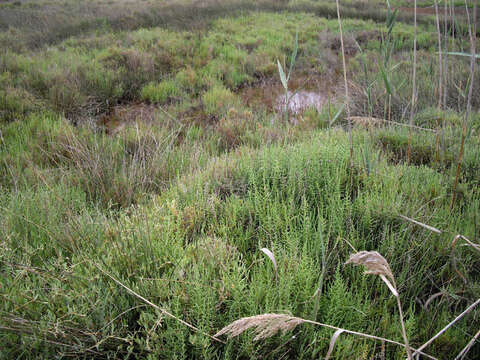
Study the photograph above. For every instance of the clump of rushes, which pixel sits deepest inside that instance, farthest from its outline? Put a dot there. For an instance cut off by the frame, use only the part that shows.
(377, 265)
(160, 92)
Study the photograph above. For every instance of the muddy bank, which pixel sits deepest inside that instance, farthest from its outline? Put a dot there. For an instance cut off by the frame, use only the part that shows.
(269, 95)
(304, 93)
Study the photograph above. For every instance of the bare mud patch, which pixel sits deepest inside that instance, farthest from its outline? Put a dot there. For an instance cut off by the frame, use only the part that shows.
(304, 94)
(301, 100)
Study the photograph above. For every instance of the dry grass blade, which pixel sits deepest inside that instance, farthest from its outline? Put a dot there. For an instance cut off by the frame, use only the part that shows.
(367, 122)
(272, 258)
(454, 260)
(466, 349)
(467, 310)
(390, 286)
(265, 325)
(332, 342)
(428, 227)
(163, 311)
(472, 244)
(431, 298)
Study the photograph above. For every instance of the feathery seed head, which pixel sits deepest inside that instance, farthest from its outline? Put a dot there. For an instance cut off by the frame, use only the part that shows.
(265, 325)
(376, 265)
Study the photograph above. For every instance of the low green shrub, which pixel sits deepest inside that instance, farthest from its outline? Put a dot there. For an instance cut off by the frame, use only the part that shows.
(15, 104)
(314, 119)
(188, 79)
(396, 146)
(218, 100)
(160, 92)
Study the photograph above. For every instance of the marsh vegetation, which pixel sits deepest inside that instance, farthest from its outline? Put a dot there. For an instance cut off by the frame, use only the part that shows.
(158, 192)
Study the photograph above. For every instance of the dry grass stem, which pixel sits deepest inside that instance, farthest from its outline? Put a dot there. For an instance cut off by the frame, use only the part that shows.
(466, 349)
(414, 81)
(440, 83)
(472, 33)
(445, 58)
(467, 310)
(440, 64)
(163, 311)
(347, 97)
(431, 228)
(472, 244)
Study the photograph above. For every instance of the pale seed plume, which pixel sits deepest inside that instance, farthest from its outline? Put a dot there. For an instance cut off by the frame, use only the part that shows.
(265, 326)
(376, 265)
(373, 261)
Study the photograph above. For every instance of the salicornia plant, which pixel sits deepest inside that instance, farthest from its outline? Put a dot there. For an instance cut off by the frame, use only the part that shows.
(285, 79)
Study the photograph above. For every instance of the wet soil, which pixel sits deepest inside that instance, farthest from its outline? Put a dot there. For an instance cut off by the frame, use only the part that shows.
(302, 100)
(304, 93)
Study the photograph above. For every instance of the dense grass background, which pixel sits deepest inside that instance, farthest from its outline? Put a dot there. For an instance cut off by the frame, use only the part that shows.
(33, 24)
(90, 75)
(128, 149)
